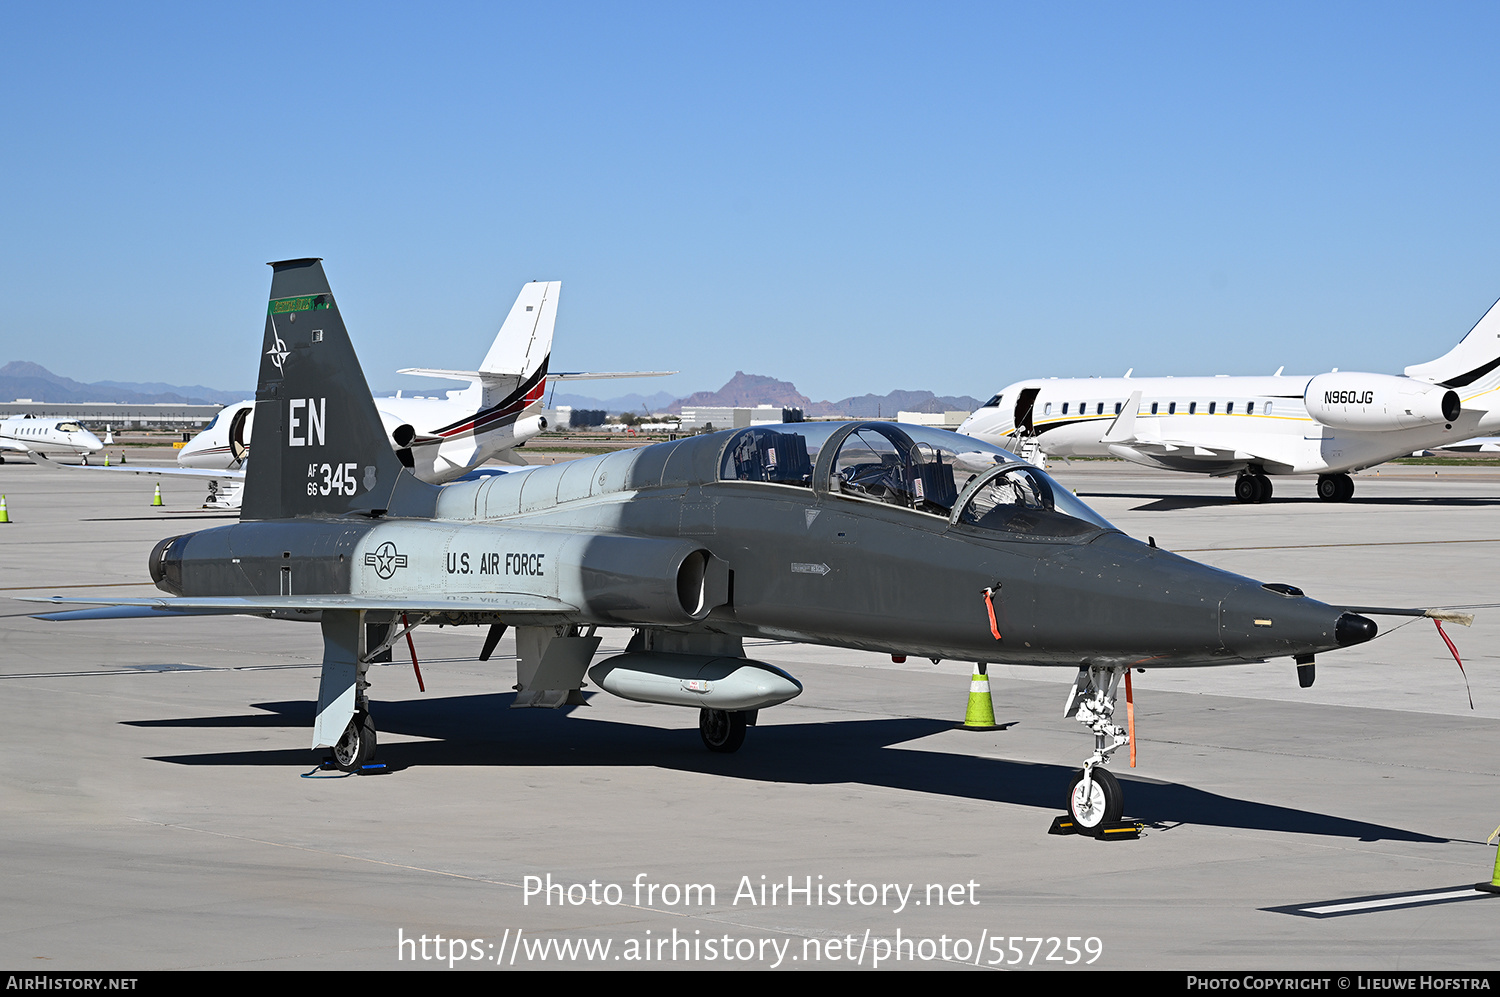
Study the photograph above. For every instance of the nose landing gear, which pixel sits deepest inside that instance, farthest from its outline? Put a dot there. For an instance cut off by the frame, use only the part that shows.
(1095, 799)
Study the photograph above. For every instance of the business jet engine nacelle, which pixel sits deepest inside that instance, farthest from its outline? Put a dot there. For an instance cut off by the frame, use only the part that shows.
(1374, 402)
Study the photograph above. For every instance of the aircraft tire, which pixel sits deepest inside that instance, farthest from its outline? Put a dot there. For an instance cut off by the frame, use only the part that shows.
(1105, 804)
(1246, 488)
(1265, 488)
(357, 746)
(722, 730)
(1335, 488)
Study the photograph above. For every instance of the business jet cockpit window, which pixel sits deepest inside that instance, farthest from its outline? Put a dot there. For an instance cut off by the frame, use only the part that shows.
(69, 427)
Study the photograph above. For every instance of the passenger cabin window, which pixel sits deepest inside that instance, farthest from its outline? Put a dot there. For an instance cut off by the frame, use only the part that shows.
(1153, 408)
(1065, 408)
(1211, 407)
(1250, 409)
(1229, 409)
(1192, 408)
(1100, 409)
(1117, 408)
(1047, 409)
(1172, 408)
(1267, 409)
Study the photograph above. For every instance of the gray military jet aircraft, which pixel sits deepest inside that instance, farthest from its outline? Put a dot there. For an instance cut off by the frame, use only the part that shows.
(894, 539)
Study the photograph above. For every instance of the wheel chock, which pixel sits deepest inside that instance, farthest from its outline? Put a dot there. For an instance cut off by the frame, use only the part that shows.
(368, 768)
(981, 712)
(1119, 830)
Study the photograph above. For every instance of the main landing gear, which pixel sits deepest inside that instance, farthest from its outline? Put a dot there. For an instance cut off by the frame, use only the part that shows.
(722, 730)
(1252, 488)
(357, 747)
(1335, 487)
(1095, 800)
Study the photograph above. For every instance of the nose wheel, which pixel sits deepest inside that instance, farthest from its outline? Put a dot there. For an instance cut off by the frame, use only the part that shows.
(1095, 798)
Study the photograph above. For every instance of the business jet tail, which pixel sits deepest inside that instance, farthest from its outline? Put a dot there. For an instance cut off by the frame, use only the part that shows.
(1474, 364)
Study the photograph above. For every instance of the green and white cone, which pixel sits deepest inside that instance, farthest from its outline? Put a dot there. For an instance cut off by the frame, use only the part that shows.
(981, 712)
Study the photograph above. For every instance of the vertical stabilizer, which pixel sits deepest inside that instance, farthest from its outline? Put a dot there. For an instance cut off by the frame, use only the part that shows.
(524, 342)
(320, 447)
(1471, 366)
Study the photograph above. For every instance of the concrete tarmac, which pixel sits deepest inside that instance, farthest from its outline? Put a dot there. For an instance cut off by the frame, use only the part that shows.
(161, 808)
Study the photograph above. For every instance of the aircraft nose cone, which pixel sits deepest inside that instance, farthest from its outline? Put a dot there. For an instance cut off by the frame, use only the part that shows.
(1354, 629)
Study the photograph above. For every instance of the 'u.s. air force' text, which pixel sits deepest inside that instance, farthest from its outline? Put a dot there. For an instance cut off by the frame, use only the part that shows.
(492, 563)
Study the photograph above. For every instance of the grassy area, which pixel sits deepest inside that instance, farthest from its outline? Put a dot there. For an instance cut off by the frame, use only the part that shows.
(1459, 460)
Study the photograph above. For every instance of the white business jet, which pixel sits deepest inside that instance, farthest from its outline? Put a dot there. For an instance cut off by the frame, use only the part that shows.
(440, 439)
(1253, 427)
(27, 434)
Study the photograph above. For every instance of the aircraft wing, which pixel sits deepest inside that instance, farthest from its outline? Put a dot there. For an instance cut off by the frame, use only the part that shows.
(11, 446)
(1126, 440)
(201, 473)
(168, 606)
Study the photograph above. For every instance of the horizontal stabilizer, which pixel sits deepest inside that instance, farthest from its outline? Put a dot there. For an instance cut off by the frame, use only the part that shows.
(578, 375)
(573, 375)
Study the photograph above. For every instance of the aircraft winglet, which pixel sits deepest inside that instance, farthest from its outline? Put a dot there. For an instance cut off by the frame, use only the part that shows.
(1122, 430)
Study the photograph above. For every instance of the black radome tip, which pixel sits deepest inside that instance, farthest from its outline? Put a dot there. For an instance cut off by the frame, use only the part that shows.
(1354, 629)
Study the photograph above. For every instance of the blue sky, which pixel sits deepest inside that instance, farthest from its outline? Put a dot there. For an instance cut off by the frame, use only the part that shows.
(855, 197)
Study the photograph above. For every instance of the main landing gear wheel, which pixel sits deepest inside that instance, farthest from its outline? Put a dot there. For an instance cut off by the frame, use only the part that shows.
(357, 746)
(1103, 803)
(1252, 488)
(1335, 488)
(722, 730)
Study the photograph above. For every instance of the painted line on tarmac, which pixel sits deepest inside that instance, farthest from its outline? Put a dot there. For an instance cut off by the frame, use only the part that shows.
(1386, 543)
(1379, 902)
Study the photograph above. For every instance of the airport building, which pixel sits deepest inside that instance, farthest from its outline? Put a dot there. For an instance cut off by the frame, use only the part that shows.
(728, 417)
(97, 415)
(941, 420)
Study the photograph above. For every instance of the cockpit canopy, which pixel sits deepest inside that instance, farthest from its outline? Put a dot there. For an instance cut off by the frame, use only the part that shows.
(932, 471)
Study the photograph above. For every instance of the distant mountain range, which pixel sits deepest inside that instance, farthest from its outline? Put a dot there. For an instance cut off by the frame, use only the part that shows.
(20, 379)
(748, 390)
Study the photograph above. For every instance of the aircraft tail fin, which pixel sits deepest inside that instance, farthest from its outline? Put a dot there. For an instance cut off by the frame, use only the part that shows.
(524, 342)
(320, 448)
(1473, 364)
